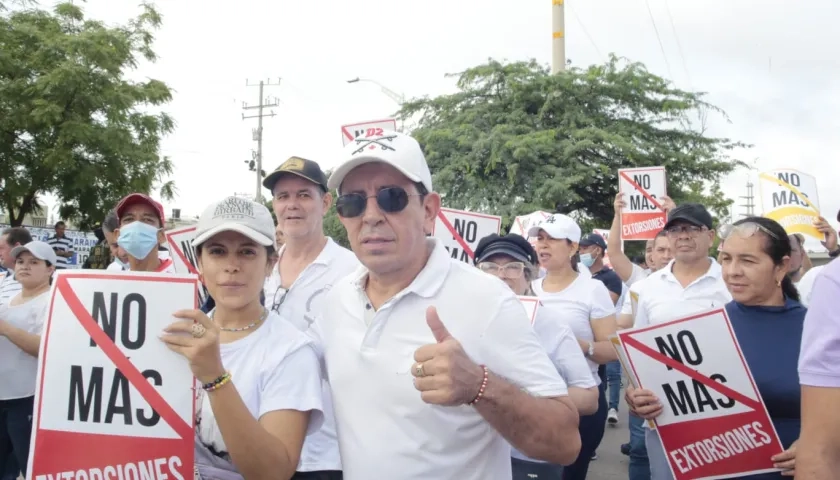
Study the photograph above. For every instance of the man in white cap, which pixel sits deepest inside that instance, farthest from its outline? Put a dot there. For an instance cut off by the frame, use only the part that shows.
(434, 369)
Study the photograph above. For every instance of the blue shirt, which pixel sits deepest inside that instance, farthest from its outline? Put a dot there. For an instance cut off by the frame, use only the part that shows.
(770, 339)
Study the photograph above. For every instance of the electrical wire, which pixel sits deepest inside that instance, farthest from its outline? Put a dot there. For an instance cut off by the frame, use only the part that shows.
(659, 39)
(586, 32)
(679, 45)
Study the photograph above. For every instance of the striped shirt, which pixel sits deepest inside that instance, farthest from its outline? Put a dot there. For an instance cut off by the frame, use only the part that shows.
(9, 287)
(64, 244)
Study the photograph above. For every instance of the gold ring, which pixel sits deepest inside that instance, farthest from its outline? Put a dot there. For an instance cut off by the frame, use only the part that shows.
(198, 330)
(418, 370)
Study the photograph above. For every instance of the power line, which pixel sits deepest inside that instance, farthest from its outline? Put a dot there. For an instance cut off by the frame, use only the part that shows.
(586, 32)
(659, 39)
(679, 44)
(257, 133)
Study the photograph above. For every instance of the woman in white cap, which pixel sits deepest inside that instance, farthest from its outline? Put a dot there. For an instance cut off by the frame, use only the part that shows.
(582, 303)
(21, 322)
(260, 377)
(514, 261)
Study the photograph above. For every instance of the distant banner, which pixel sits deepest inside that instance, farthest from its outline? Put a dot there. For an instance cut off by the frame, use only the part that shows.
(82, 242)
(643, 189)
(790, 197)
(523, 223)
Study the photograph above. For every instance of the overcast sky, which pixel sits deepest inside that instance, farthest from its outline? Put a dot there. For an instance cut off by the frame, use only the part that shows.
(771, 65)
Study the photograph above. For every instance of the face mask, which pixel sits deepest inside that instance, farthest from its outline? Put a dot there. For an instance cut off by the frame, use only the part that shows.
(138, 239)
(587, 260)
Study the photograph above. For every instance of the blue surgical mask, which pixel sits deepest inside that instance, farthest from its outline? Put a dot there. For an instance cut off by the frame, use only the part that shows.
(587, 260)
(138, 239)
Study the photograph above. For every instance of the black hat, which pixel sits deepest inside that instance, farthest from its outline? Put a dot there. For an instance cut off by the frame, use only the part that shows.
(303, 168)
(693, 213)
(593, 239)
(511, 245)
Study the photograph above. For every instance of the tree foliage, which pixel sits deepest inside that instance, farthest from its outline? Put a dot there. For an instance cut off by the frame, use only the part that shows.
(515, 139)
(71, 123)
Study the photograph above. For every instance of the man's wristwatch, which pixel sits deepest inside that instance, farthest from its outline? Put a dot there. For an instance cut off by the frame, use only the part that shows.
(834, 253)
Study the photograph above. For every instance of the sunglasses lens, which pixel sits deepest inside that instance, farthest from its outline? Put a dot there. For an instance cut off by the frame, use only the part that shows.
(350, 205)
(392, 199)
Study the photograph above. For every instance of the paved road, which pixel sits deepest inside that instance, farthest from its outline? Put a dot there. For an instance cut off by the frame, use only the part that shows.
(611, 464)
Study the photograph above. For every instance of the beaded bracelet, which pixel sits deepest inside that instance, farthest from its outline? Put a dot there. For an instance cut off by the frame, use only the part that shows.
(217, 383)
(483, 386)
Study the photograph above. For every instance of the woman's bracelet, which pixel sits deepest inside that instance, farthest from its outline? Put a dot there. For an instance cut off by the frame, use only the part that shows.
(482, 388)
(218, 383)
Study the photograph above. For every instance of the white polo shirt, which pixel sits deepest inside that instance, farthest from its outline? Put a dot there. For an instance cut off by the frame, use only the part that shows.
(299, 305)
(584, 300)
(9, 287)
(18, 369)
(385, 430)
(662, 298)
(564, 351)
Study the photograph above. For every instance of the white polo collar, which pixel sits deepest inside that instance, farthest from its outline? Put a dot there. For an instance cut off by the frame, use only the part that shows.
(714, 272)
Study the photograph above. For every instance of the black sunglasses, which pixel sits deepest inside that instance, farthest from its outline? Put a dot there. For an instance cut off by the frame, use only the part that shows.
(389, 199)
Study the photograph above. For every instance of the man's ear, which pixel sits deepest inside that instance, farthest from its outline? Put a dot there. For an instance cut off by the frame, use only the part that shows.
(431, 208)
(328, 200)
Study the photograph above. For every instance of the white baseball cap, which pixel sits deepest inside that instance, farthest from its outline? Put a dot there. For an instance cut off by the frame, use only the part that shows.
(40, 250)
(237, 215)
(558, 226)
(396, 149)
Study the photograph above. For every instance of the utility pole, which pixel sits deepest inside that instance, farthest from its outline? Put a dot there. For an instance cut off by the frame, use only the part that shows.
(749, 200)
(257, 134)
(558, 42)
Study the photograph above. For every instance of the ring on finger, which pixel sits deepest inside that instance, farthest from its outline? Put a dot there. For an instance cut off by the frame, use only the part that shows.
(198, 330)
(418, 370)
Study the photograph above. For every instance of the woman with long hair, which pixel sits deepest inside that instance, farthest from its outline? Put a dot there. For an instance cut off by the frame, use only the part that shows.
(767, 318)
(260, 376)
(585, 306)
(514, 261)
(21, 323)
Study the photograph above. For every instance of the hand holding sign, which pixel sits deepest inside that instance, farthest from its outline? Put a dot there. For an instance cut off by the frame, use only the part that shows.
(825, 228)
(444, 374)
(200, 345)
(643, 402)
(786, 461)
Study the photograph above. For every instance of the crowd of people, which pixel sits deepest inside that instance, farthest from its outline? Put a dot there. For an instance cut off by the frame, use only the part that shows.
(393, 360)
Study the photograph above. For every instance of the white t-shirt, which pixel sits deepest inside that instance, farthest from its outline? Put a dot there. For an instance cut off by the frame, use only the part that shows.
(563, 350)
(18, 369)
(300, 305)
(274, 368)
(806, 284)
(385, 430)
(584, 300)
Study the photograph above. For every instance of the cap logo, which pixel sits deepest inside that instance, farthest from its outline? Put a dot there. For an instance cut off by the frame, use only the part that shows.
(551, 219)
(372, 142)
(293, 163)
(234, 207)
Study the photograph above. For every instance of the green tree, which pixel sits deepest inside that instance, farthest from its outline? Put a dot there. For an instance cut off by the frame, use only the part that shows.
(515, 139)
(71, 123)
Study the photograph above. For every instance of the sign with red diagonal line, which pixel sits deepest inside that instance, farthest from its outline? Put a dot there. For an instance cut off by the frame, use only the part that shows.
(643, 189)
(183, 255)
(111, 400)
(460, 231)
(713, 423)
(531, 305)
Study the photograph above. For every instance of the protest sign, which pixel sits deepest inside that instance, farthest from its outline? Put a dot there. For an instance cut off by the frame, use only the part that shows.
(522, 223)
(531, 305)
(643, 189)
(183, 255)
(82, 242)
(713, 423)
(112, 401)
(790, 197)
(460, 231)
(373, 128)
(605, 234)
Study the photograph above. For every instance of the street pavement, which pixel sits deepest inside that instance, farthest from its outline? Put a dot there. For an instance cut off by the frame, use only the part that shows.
(611, 464)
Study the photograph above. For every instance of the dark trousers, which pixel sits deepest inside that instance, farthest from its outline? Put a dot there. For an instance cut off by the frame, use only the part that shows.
(591, 432)
(11, 470)
(319, 475)
(525, 470)
(15, 430)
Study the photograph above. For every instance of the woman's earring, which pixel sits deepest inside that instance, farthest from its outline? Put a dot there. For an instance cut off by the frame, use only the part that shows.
(778, 283)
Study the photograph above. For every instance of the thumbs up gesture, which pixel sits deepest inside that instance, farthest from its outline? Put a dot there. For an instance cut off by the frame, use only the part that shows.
(443, 372)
